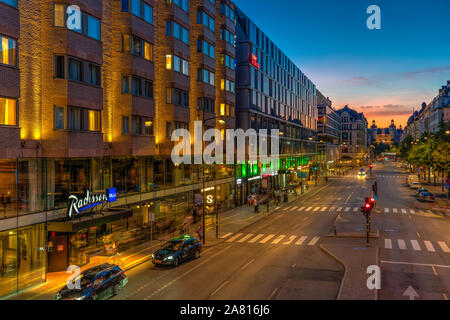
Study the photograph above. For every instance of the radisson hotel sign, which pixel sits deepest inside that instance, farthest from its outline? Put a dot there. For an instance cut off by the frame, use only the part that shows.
(90, 200)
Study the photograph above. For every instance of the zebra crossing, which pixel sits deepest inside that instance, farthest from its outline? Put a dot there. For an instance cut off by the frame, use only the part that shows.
(335, 209)
(392, 177)
(416, 245)
(271, 239)
(313, 240)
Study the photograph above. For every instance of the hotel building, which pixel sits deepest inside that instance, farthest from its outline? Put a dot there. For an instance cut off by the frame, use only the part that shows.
(88, 101)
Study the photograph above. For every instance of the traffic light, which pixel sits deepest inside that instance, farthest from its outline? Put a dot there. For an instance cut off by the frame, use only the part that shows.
(316, 168)
(371, 166)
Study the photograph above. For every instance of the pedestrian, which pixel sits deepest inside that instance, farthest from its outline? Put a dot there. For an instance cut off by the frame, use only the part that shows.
(200, 233)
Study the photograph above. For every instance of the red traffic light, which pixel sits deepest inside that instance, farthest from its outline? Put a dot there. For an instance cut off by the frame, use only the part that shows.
(368, 205)
(372, 200)
(371, 166)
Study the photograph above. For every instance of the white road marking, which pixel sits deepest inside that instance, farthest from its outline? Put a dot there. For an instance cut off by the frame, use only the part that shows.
(347, 209)
(417, 264)
(445, 296)
(278, 240)
(429, 246)
(235, 237)
(301, 240)
(403, 211)
(323, 209)
(270, 236)
(415, 245)
(259, 236)
(434, 271)
(277, 208)
(292, 238)
(339, 209)
(301, 209)
(246, 238)
(443, 246)
(250, 262)
(332, 208)
(401, 244)
(386, 210)
(227, 235)
(316, 209)
(286, 209)
(309, 209)
(313, 241)
(387, 243)
(355, 209)
(273, 293)
(295, 208)
(412, 211)
(220, 287)
(395, 210)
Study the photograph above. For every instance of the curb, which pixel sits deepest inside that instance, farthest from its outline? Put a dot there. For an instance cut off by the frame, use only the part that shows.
(338, 297)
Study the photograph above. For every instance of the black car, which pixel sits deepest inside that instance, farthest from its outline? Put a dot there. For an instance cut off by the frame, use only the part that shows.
(177, 251)
(98, 283)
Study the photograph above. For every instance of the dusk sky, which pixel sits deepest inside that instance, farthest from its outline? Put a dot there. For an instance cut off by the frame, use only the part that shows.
(383, 73)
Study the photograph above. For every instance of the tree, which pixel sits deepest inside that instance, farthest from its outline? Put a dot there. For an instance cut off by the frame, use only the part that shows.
(441, 160)
(405, 147)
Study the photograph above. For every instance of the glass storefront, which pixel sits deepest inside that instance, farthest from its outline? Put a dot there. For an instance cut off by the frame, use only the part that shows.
(22, 258)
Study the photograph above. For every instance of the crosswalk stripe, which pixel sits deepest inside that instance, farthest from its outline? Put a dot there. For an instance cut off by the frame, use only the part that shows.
(292, 238)
(339, 209)
(309, 209)
(227, 235)
(316, 209)
(332, 208)
(277, 208)
(415, 245)
(412, 211)
(295, 208)
(301, 209)
(300, 241)
(395, 210)
(259, 236)
(246, 238)
(323, 209)
(443, 246)
(429, 211)
(234, 238)
(386, 210)
(270, 236)
(347, 209)
(313, 241)
(355, 209)
(429, 246)
(403, 211)
(388, 243)
(278, 240)
(401, 244)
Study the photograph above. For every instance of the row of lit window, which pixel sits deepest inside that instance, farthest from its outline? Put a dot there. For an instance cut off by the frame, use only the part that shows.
(227, 85)
(137, 86)
(177, 64)
(137, 46)
(140, 126)
(78, 119)
(76, 69)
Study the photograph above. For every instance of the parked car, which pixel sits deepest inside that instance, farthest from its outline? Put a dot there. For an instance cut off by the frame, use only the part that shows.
(420, 190)
(177, 251)
(98, 283)
(427, 196)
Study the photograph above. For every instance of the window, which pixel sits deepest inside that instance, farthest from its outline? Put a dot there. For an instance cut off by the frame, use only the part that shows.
(94, 120)
(7, 112)
(90, 25)
(177, 97)
(168, 129)
(94, 74)
(148, 89)
(136, 86)
(173, 29)
(125, 124)
(228, 37)
(60, 63)
(229, 62)
(227, 85)
(125, 84)
(59, 117)
(136, 125)
(183, 4)
(148, 126)
(7, 51)
(207, 48)
(205, 19)
(206, 104)
(74, 118)
(139, 8)
(205, 76)
(75, 69)
(137, 47)
(12, 3)
(177, 64)
(227, 11)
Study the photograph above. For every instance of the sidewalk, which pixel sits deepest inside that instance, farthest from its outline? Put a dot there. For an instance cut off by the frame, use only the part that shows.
(230, 221)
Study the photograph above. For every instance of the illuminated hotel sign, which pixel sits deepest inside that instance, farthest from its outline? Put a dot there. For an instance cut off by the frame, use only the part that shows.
(254, 61)
(90, 200)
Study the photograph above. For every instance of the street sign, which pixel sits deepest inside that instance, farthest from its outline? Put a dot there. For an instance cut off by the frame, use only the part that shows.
(151, 217)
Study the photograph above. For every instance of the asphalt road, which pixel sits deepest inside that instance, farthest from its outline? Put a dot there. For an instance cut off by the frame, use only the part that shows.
(290, 264)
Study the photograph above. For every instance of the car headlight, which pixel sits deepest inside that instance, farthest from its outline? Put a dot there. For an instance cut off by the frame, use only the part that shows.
(169, 258)
(80, 298)
(153, 256)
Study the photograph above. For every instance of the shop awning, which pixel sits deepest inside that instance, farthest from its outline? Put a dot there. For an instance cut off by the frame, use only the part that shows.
(90, 221)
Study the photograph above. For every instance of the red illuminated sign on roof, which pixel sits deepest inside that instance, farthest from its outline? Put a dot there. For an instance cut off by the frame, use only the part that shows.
(254, 61)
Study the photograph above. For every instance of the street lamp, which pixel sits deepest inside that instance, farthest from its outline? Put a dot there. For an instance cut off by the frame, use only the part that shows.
(221, 121)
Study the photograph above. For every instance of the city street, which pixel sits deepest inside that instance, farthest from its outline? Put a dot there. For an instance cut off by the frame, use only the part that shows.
(280, 257)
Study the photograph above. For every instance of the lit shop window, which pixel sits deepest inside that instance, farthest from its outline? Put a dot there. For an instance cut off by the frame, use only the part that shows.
(7, 112)
(7, 51)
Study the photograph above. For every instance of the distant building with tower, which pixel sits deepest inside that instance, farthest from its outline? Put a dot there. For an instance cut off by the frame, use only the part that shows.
(390, 135)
